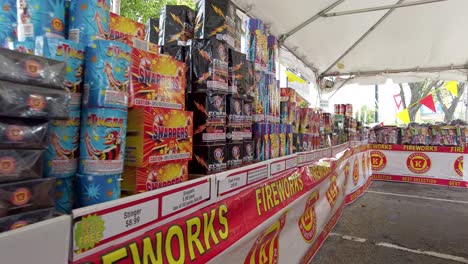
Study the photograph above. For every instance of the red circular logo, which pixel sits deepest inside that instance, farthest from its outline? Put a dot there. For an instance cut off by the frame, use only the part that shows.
(18, 224)
(33, 68)
(7, 165)
(458, 166)
(36, 102)
(418, 163)
(21, 196)
(14, 133)
(378, 160)
(57, 24)
(355, 172)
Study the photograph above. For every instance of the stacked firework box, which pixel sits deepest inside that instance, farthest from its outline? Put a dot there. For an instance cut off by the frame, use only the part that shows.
(32, 96)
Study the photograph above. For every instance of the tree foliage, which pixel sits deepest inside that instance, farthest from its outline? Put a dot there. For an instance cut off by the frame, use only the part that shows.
(142, 10)
(450, 104)
(366, 114)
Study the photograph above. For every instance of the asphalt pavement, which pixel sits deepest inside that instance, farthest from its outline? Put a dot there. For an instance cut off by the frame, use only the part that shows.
(398, 223)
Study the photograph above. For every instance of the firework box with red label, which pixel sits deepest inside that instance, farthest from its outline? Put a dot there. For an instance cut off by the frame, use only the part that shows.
(209, 112)
(236, 72)
(274, 141)
(234, 111)
(120, 26)
(26, 196)
(288, 95)
(235, 155)
(157, 81)
(155, 176)
(158, 135)
(306, 115)
(23, 133)
(152, 30)
(287, 112)
(248, 152)
(257, 44)
(16, 165)
(208, 159)
(13, 222)
(176, 25)
(209, 65)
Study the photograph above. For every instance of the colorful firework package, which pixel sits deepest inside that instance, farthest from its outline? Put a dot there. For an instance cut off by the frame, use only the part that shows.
(236, 72)
(120, 27)
(247, 124)
(31, 70)
(17, 100)
(26, 46)
(261, 98)
(209, 111)
(93, 190)
(216, 18)
(298, 142)
(152, 30)
(62, 154)
(102, 141)
(272, 54)
(248, 152)
(208, 159)
(209, 65)
(235, 155)
(260, 141)
(234, 111)
(274, 99)
(89, 20)
(40, 18)
(247, 87)
(287, 112)
(155, 176)
(26, 196)
(8, 22)
(257, 44)
(176, 25)
(157, 81)
(21, 220)
(107, 74)
(158, 135)
(21, 134)
(64, 194)
(274, 140)
(179, 53)
(73, 55)
(18, 165)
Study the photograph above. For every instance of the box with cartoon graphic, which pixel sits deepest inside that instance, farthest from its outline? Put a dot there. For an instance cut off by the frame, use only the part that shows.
(158, 135)
(89, 20)
(176, 25)
(23, 133)
(155, 176)
(16, 165)
(40, 18)
(208, 159)
(209, 111)
(157, 81)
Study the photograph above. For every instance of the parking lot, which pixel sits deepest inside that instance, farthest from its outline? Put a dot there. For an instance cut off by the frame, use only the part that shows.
(397, 223)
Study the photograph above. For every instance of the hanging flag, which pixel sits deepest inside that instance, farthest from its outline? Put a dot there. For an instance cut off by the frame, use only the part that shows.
(398, 100)
(404, 116)
(452, 87)
(294, 78)
(428, 102)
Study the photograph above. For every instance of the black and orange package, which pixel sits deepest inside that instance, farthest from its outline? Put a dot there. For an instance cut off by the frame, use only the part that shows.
(152, 30)
(13, 222)
(236, 72)
(16, 165)
(23, 133)
(176, 25)
(208, 159)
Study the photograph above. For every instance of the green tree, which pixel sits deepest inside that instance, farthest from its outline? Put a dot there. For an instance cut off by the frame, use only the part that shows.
(367, 114)
(142, 10)
(449, 102)
(417, 92)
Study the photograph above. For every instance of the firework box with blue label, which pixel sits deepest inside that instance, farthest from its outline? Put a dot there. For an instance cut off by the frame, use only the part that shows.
(176, 25)
(107, 74)
(64, 194)
(102, 141)
(89, 20)
(257, 43)
(208, 159)
(248, 152)
(8, 22)
(26, 46)
(152, 30)
(261, 99)
(40, 18)
(235, 154)
(209, 111)
(23, 133)
(62, 154)
(26, 196)
(18, 100)
(158, 135)
(16, 165)
(73, 54)
(13, 222)
(95, 189)
(236, 72)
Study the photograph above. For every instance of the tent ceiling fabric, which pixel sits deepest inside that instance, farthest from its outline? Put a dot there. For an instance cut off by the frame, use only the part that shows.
(422, 36)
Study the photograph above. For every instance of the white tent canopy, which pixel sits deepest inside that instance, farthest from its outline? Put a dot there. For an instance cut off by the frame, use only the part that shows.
(412, 42)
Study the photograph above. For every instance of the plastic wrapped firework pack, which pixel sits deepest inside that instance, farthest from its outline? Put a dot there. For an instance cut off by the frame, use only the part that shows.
(64, 194)
(23, 133)
(26, 46)
(8, 22)
(89, 20)
(176, 25)
(13, 222)
(16, 165)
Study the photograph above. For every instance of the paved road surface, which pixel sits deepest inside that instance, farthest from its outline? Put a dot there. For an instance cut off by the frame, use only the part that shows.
(397, 223)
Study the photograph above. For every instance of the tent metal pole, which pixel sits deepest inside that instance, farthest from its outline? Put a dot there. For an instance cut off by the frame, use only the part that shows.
(418, 69)
(370, 30)
(283, 37)
(379, 8)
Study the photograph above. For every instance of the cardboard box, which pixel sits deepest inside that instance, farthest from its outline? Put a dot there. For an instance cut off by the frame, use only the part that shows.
(152, 31)
(235, 155)
(236, 72)
(158, 135)
(176, 25)
(248, 152)
(208, 159)
(120, 26)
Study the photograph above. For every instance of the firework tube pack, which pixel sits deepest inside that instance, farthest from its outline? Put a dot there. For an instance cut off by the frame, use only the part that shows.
(23, 134)
(176, 25)
(158, 135)
(73, 55)
(248, 152)
(64, 194)
(155, 176)
(257, 44)
(62, 154)
(209, 111)
(274, 141)
(18, 165)
(107, 74)
(152, 30)
(26, 196)
(89, 20)
(235, 155)
(31, 70)
(247, 87)
(13, 222)
(247, 123)
(260, 100)
(95, 189)
(208, 159)
(157, 81)
(17, 100)
(236, 72)
(216, 18)
(8, 22)
(40, 18)
(102, 141)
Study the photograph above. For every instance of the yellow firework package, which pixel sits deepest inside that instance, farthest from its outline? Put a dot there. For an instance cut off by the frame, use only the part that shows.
(159, 175)
(158, 135)
(121, 26)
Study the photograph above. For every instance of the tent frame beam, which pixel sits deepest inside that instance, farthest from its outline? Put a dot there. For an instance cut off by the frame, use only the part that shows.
(379, 8)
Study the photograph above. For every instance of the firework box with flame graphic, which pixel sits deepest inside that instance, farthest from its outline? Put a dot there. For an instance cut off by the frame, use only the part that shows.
(208, 159)
(152, 31)
(73, 54)
(257, 44)
(16, 165)
(40, 18)
(8, 22)
(157, 81)
(235, 155)
(155, 176)
(89, 20)
(248, 83)
(209, 65)
(234, 111)
(158, 135)
(176, 25)
(13, 222)
(179, 53)
(107, 74)
(236, 72)
(23, 133)
(216, 18)
(120, 26)
(27, 196)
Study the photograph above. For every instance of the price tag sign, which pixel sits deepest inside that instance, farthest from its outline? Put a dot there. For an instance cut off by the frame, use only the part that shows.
(183, 199)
